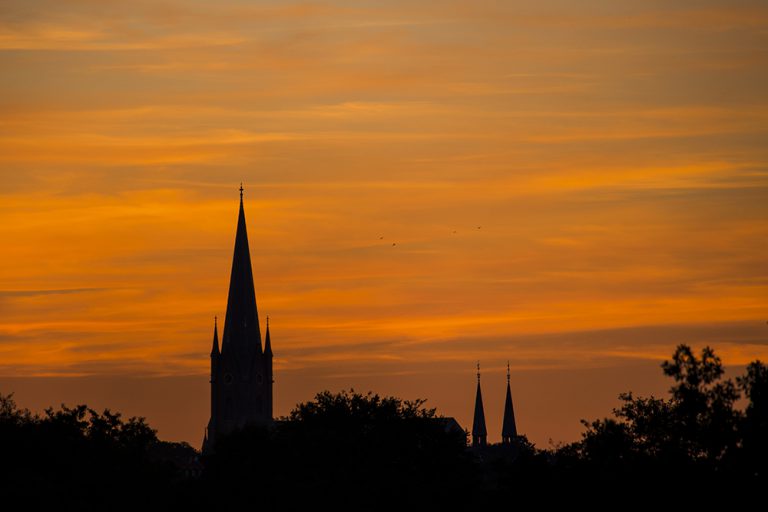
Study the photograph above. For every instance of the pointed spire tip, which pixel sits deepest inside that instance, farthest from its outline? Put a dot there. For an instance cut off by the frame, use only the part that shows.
(268, 341)
(215, 348)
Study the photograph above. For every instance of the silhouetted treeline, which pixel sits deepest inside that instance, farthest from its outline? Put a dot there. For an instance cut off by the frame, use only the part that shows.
(349, 449)
(78, 456)
(368, 452)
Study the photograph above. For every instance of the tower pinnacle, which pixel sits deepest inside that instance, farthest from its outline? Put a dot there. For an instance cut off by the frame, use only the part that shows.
(215, 348)
(267, 341)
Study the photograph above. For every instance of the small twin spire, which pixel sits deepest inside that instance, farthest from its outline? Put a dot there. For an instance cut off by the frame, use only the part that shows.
(479, 432)
(508, 429)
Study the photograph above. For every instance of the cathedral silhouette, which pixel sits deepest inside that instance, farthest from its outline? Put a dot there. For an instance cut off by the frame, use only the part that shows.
(241, 371)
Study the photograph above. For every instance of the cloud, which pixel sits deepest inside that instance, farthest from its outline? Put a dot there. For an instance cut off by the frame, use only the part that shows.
(35, 293)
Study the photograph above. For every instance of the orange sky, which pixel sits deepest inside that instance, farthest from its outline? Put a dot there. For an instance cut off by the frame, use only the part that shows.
(573, 186)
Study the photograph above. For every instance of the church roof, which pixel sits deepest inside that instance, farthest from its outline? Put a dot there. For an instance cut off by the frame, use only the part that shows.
(241, 324)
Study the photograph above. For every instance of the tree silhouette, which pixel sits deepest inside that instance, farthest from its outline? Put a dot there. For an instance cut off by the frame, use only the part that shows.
(754, 426)
(79, 457)
(346, 448)
(697, 434)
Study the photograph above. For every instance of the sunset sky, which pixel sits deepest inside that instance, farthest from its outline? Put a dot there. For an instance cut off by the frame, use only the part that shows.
(573, 186)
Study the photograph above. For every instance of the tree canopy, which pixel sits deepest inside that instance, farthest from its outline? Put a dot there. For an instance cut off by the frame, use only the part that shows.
(79, 456)
(350, 448)
(366, 451)
(695, 433)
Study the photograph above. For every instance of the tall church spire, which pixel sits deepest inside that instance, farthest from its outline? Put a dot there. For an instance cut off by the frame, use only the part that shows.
(508, 429)
(479, 432)
(241, 374)
(241, 324)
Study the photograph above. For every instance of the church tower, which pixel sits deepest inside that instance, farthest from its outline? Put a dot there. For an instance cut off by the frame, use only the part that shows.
(241, 372)
(508, 427)
(479, 432)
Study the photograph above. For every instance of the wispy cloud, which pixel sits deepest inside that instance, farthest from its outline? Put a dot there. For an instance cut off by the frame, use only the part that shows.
(35, 293)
